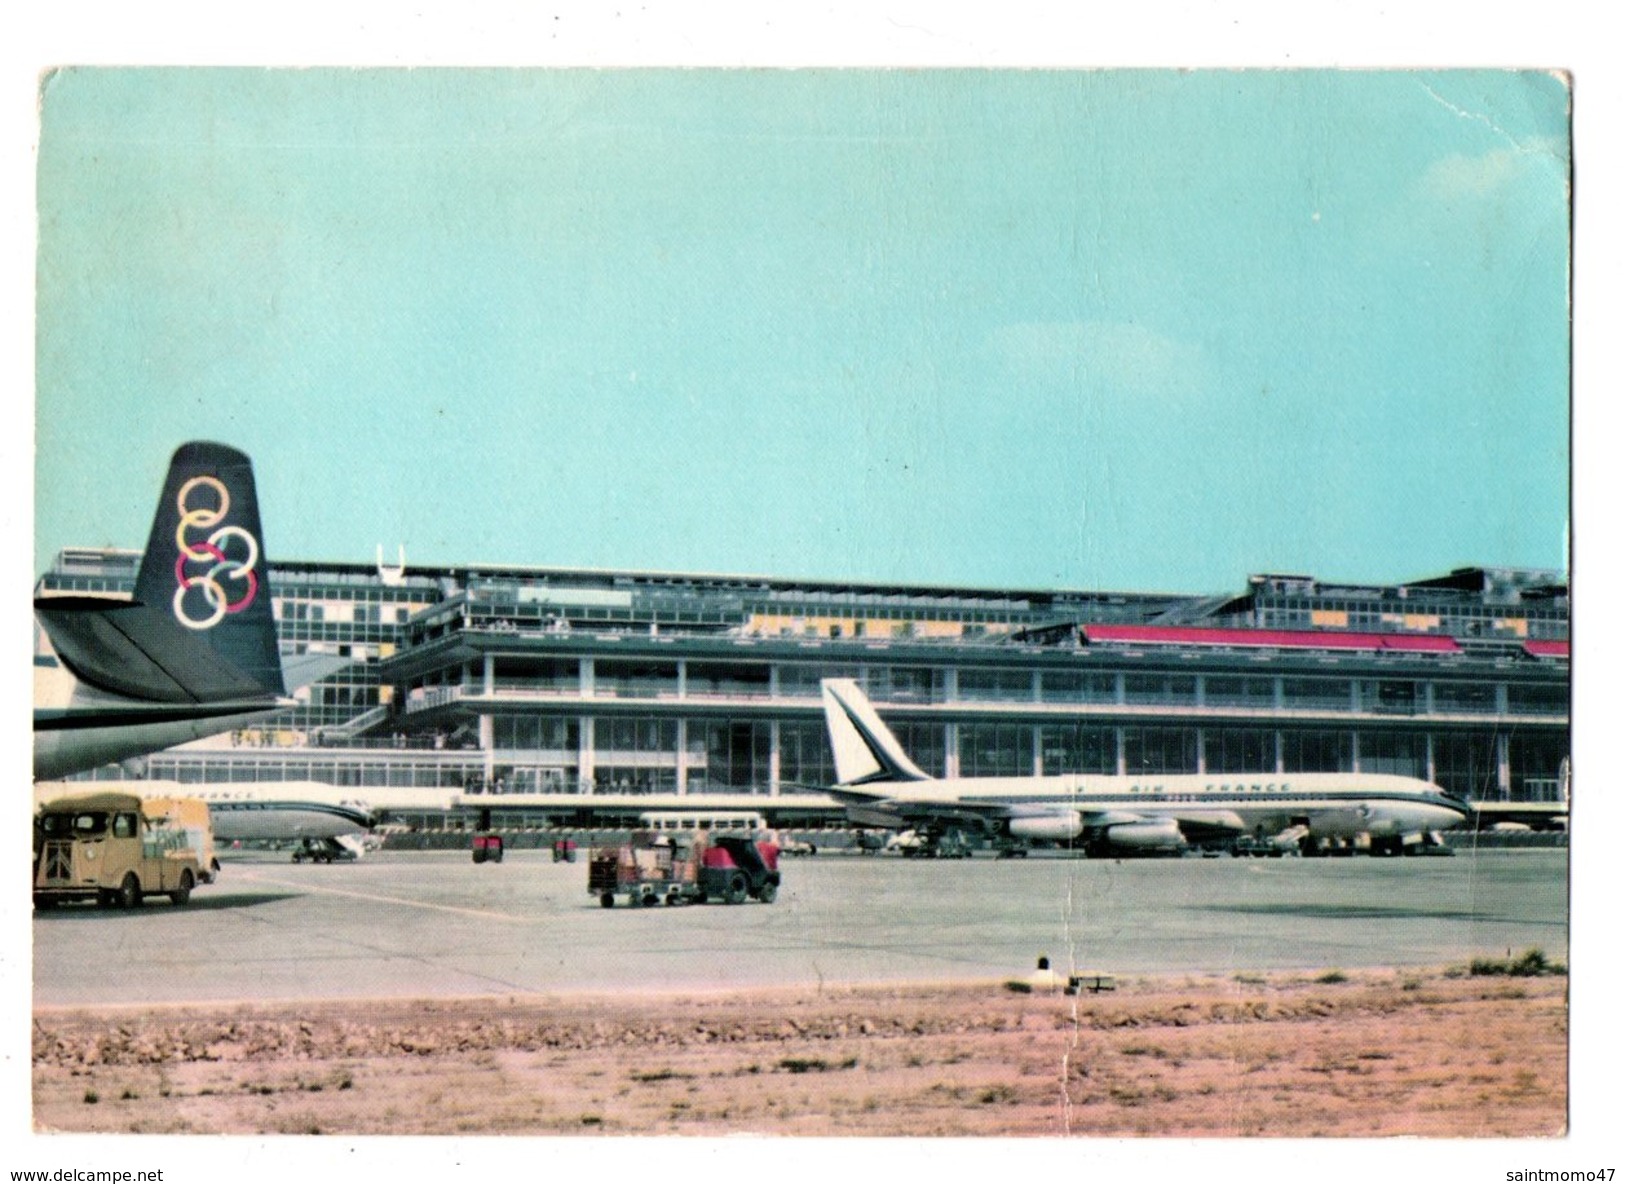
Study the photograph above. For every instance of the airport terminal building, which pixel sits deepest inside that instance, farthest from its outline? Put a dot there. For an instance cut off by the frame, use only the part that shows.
(579, 684)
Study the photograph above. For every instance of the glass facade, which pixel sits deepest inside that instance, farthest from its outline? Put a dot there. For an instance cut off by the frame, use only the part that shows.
(799, 680)
(536, 733)
(1066, 686)
(1465, 698)
(1401, 753)
(995, 750)
(1238, 750)
(635, 680)
(717, 681)
(1467, 765)
(1161, 690)
(1159, 750)
(1535, 763)
(1304, 751)
(1537, 700)
(526, 675)
(1312, 694)
(634, 755)
(1532, 604)
(927, 743)
(1077, 748)
(805, 758)
(996, 686)
(1231, 690)
(1390, 696)
(190, 768)
(906, 684)
(726, 755)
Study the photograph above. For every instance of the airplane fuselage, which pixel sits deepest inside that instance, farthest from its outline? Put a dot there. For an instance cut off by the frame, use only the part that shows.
(271, 810)
(281, 817)
(77, 728)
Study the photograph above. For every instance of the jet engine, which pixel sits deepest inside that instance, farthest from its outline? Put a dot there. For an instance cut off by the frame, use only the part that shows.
(1058, 826)
(1160, 834)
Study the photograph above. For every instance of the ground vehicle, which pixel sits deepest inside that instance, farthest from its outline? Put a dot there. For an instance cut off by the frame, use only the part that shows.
(869, 842)
(192, 816)
(116, 848)
(327, 850)
(688, 867)
(1259, 848)
(710, 821)
(913, 844)
(488, 848)
(564, 851)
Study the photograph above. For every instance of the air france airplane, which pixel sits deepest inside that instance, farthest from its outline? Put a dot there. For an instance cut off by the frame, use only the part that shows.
(880, 786)
(193, 653)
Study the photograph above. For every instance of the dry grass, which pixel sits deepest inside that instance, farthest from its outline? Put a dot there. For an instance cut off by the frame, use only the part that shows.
(1376, 1054)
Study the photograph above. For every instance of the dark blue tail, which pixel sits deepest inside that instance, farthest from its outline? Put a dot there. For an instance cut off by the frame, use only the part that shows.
(200, 628)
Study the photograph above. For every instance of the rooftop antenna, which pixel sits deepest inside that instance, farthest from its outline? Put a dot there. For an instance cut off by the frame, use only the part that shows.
(393, 577)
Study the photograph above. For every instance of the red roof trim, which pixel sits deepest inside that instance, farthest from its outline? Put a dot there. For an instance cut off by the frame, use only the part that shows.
(1547, 649)
(1276, 638)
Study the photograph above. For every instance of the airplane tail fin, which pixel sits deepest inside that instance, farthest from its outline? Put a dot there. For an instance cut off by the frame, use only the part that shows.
(865, 749)
(200, 628)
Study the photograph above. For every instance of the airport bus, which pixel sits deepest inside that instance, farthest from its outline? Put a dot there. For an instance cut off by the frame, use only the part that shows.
(714, 821)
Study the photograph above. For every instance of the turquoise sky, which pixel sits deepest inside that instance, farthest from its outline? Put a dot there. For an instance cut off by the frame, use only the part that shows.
(1123, 330)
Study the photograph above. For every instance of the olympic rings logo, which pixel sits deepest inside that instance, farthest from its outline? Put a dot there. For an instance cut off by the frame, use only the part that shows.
(212, 551)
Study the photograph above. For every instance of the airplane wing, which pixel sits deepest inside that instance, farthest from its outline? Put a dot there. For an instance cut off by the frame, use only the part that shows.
(1057, 821)
(140, 652)
(1040, 820)
(200, 626)
(905, 814)
(1155, 829)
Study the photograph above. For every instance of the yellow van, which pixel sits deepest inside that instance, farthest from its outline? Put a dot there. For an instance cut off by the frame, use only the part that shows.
(115, 848)
(191, 817)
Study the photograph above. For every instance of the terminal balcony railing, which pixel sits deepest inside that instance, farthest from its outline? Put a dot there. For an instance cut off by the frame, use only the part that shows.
(1066, 703)
(426, 698)
(1047, 705)
(1539, 789)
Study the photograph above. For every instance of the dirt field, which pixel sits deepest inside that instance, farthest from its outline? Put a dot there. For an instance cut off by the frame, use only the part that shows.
(1370, 1053)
